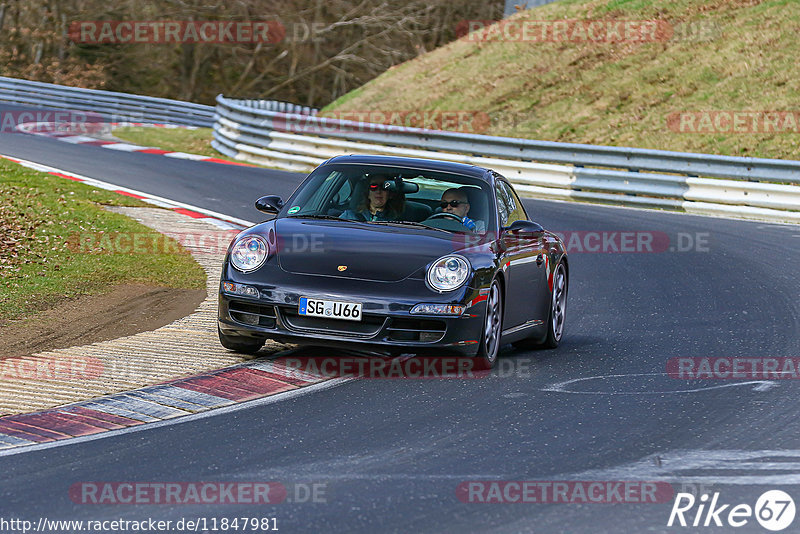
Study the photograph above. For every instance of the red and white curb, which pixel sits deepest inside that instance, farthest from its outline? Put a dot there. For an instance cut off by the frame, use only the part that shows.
(52, 130)
(152, 125)
(183, 397)
(178, 398)
(219, 220)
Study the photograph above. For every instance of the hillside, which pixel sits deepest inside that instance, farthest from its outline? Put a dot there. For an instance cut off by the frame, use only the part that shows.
(707, 79)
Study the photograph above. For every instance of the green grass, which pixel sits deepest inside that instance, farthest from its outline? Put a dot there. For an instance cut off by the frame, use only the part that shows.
(724, 55)
(175, 139)
(43, 216)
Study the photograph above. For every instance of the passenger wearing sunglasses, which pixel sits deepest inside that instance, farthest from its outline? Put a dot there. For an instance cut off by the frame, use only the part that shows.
(455, 201)
(379, 203)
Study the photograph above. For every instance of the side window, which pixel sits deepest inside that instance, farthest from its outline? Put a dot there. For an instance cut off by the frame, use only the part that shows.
(343, 195)
(516, 211)
(320, 197)
(502, 204)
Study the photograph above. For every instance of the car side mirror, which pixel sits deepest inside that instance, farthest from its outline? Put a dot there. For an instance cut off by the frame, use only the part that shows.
(524, 227)
(269, 204)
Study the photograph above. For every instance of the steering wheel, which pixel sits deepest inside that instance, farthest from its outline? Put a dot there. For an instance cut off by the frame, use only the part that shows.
(446, 215)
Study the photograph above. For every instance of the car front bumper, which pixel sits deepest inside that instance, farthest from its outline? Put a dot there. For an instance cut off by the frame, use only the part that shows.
(386, 324)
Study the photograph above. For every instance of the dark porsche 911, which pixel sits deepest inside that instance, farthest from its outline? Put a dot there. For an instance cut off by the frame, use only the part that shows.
(398, 255)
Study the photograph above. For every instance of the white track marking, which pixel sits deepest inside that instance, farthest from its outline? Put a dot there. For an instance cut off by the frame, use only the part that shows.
(125, 147)
(75, 139)
(185, 155)
(153, 199)
(707, 467)
(563, 387)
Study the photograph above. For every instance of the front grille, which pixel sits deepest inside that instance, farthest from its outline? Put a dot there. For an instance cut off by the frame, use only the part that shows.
(252, 314)
(423, 330)
(368, 326)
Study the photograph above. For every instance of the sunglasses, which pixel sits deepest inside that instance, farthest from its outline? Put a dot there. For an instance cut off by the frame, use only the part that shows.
(452, 203)
(375, 187)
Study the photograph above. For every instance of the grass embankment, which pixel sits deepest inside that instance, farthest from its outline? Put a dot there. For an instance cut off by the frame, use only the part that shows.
(722, 55)
(175, 139)
(43, 219)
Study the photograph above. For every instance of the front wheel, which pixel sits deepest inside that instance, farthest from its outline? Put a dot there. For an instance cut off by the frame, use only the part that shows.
(240, 344)
(492, 329)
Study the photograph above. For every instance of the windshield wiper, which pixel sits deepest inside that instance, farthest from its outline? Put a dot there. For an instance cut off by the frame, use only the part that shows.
(313, 216)
(411, 223)
(402, 223)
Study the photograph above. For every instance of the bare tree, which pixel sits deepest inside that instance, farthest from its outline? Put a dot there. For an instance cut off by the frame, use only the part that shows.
(329, 47)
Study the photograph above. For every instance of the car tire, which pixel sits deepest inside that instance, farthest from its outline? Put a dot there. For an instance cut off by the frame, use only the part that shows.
(555, 316)
(489, 346)
(240, 344)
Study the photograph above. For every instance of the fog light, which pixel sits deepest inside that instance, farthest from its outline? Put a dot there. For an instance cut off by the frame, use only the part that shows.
(240, 289)
(248, 318)
(438, 309)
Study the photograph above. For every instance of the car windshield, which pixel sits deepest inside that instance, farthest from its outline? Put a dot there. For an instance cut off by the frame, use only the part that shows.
(394, 195)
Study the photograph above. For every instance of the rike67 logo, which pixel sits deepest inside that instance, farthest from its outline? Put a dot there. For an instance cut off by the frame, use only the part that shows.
(774, 510)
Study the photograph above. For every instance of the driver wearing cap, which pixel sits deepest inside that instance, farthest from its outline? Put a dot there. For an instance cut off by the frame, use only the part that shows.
(455, 202)
(378, 202)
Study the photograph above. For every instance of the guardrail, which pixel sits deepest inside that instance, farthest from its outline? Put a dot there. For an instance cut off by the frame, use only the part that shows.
(764, 189)
(293, 137)
(120, 107)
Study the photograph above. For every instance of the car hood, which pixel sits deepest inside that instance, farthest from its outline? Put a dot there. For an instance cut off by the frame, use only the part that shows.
(355, 250)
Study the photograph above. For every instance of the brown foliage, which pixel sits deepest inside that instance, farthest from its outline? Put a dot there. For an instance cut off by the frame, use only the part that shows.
(19, 221)
(330, 47)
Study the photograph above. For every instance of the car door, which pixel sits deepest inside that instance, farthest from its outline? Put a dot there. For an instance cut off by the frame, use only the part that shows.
(524, 265)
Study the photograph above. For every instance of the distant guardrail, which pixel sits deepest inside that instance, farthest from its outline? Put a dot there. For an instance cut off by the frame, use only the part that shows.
(120, 107)
(295, 138)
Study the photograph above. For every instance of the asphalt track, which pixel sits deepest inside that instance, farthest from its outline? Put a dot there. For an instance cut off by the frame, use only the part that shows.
(392, 452)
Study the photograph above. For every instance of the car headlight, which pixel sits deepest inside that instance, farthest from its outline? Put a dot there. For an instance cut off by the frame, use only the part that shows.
(448, 273)
(249, 253)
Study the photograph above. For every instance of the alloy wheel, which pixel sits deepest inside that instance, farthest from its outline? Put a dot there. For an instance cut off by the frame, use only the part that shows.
(494, 320)
(559, 302)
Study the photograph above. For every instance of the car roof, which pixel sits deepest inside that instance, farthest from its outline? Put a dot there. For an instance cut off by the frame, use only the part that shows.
(414, 163)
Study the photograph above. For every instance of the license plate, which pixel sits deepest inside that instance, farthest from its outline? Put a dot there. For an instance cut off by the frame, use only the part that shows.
(331, 309)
